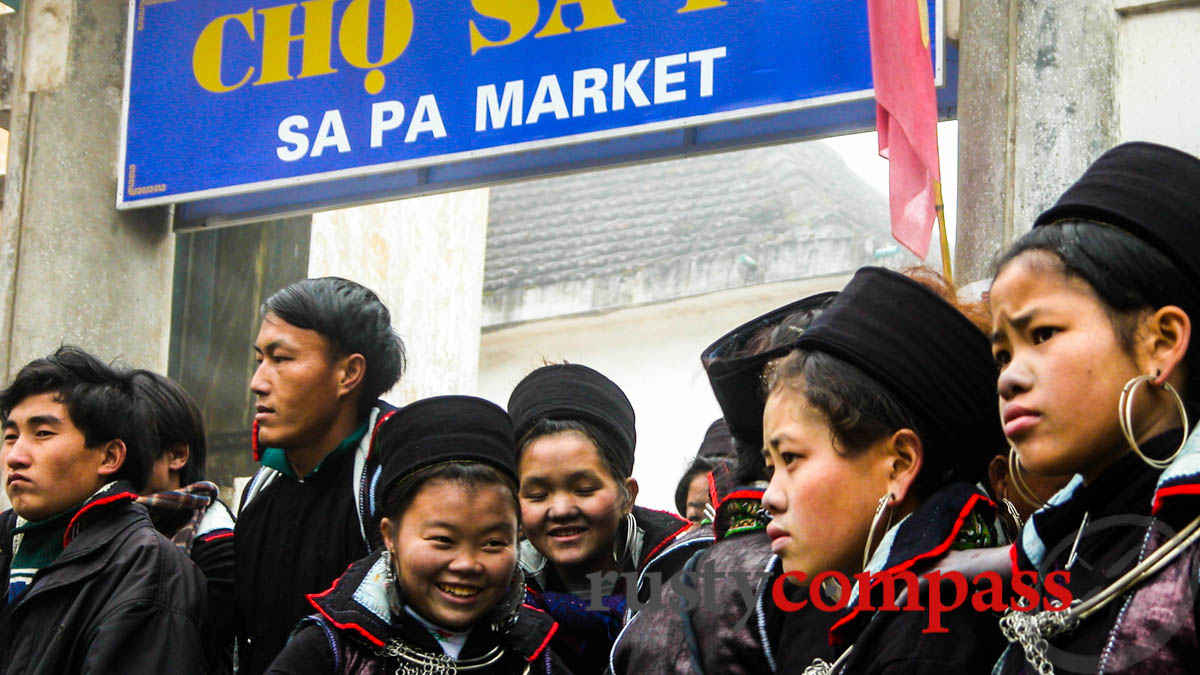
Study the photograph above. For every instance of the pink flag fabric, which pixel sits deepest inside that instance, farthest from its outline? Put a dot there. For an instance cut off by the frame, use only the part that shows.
(906, 115)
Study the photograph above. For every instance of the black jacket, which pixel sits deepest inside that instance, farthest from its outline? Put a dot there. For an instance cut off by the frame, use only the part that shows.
(120, 598)
(956, 517)
(211, 548)
(1126, 514)
(586, 636)
(726, 633)
(292, 539)
(355, 622)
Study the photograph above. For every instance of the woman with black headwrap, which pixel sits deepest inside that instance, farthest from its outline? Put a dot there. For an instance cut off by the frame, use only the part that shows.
(575, 439)
(1100, 377)
(741, 632)
(876, 429)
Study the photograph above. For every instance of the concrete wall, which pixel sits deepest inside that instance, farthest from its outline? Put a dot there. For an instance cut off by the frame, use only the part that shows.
(1045, 87)
(653, 353)
(73, 268)
(424, 257)
(1158, 73)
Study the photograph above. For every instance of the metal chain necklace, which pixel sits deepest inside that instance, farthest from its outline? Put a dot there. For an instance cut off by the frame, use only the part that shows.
(1031, 630)
(414, 661)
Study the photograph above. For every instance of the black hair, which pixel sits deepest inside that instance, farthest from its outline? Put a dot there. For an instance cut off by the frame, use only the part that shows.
(860, 411)
(606, 446)
(99, 400)
(175, 419)
(699, 467)
(1128, 275)
(400, 495)
(354, 321)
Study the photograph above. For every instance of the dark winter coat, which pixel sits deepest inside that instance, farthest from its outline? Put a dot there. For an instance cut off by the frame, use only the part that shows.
(120, 598)
(206, 535)
(357, 626)
(586, 637)
(1132, 510)
(295, 537)
(956, 517)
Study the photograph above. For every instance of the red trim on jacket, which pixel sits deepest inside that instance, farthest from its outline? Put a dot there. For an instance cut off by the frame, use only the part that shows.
(667, 540)
(216, 534)
(312, 600)
(1187, 489)
(70, 533)
(375, 432)
(549, 634)
(932, 553)
(755, 495)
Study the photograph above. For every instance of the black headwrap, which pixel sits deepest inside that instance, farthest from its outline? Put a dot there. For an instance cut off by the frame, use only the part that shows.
(571, 392)
(717, 442)
(444, 429)
(736, 376)
(923, 351)
(1148, 190)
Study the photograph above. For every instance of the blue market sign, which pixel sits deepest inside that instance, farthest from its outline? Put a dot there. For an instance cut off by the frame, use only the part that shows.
(237, 108)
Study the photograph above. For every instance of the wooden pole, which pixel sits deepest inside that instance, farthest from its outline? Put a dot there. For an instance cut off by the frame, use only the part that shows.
(940, 208)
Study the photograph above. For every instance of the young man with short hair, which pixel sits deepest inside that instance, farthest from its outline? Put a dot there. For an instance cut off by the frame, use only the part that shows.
(184, 506)
(326, 351)
(90, 585)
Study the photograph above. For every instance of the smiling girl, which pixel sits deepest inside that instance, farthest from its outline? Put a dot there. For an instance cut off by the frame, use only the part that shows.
(445, 595)
(576, 437)
(1092, 312)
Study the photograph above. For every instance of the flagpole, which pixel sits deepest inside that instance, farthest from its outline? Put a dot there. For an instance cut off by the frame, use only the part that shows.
(940, 208)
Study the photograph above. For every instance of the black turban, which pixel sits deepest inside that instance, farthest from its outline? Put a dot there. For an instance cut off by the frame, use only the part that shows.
(444, 429)
(717, 443)
(924, 352)
(736, 375)
(1150, 191)
(571, 392)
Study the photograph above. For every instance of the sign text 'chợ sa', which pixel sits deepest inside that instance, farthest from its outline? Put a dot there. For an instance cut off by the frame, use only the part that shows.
(234, 96)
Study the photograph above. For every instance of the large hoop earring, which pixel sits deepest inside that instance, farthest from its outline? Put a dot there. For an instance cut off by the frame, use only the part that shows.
(619, 552)
(1013, 513)
(884, 502)
(1125, 416)
(1022, 488)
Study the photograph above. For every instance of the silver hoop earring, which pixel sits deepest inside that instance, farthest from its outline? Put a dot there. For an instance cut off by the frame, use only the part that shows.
(619, 552)
(1125, 416)
(1012, 511)
(391, 585)
(884, 502)
(1022, 488)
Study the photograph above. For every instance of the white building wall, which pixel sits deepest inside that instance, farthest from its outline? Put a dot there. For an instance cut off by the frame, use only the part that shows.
(1158, 74)
(653, 353)
(423, 256)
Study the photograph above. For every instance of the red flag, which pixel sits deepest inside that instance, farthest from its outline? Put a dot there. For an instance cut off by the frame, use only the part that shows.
(906, 115)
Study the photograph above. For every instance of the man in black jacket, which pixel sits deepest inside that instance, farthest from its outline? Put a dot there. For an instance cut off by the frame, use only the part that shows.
(184, 506)
(326, 351)
(90, 585)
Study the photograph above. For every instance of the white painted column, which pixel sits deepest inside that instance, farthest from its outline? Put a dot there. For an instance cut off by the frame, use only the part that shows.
(424, 257)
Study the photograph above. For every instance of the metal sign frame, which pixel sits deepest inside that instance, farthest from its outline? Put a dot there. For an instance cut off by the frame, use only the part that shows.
(805, 119)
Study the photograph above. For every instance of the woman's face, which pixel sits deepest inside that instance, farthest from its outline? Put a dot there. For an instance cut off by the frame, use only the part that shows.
(697, 498)
(820, 500)
(570, 504)
(1062, 368)
(454, 550)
